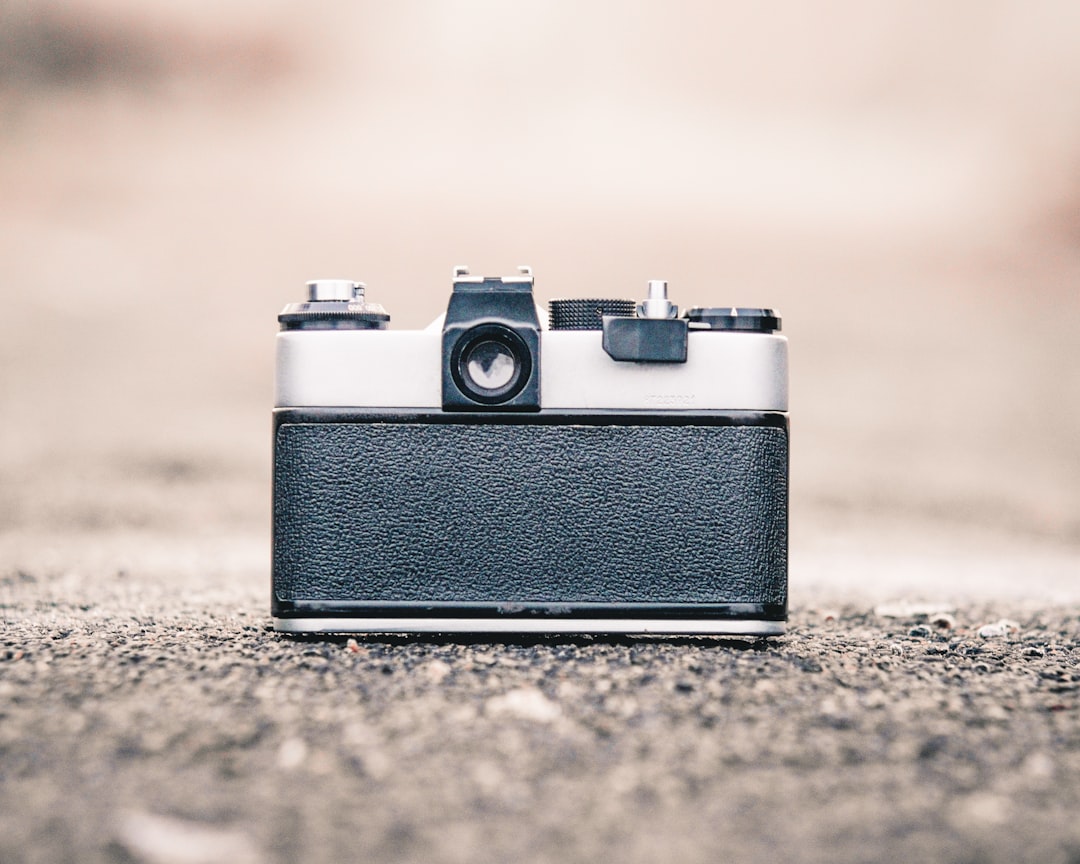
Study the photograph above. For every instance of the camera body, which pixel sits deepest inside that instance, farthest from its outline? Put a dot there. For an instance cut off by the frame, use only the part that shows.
(620, 468)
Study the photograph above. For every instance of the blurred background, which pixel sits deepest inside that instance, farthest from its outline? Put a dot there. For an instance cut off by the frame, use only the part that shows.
(902, 181)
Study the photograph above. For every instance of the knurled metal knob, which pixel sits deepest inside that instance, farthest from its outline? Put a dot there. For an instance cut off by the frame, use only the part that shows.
(324, 290)
(586, 314)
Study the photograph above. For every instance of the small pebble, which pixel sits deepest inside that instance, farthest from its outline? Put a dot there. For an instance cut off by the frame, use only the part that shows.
(942, 621)
(982, 809)
(437, 671)
(1002, 627)
(291, 754)
(1038, 766)
(169, 840)
(527, 703)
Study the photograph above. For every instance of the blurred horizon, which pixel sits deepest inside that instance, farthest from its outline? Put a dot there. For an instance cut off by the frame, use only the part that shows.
(901, 182)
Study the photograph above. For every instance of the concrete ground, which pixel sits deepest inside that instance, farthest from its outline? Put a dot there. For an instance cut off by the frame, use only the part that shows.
(905, 194)
(150, 714)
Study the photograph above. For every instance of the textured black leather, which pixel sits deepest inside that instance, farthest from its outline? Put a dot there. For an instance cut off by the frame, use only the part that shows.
(415, 512)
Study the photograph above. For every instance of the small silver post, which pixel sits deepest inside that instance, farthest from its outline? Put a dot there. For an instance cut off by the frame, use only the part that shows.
(657, 304)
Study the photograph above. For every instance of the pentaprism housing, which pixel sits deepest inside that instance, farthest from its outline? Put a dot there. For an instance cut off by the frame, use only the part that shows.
(606, 466)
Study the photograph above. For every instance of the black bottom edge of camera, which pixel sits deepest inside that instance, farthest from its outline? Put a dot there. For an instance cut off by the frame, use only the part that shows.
(555, 416)
(725, 619)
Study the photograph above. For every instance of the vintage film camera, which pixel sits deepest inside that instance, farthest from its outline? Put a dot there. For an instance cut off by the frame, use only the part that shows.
(620, 468)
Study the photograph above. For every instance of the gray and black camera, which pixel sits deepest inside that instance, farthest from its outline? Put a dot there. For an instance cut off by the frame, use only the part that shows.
(610, 466)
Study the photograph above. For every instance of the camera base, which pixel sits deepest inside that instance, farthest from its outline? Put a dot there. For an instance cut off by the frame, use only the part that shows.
(635, 626)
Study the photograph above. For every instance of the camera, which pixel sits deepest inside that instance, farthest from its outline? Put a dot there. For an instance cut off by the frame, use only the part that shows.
(608, 466)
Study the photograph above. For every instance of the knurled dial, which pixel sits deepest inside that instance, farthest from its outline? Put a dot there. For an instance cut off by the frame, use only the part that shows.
(586, 314)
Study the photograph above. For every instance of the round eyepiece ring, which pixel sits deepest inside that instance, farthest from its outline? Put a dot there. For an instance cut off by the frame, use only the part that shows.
(490, 364)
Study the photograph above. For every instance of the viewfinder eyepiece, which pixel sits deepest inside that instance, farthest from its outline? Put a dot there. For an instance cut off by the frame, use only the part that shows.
(491, 364)
(491, 344)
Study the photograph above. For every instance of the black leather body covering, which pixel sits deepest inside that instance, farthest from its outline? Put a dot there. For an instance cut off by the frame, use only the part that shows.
(639, 514)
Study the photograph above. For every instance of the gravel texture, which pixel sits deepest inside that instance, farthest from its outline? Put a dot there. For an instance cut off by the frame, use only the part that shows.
(154, 716)
(172, 173)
